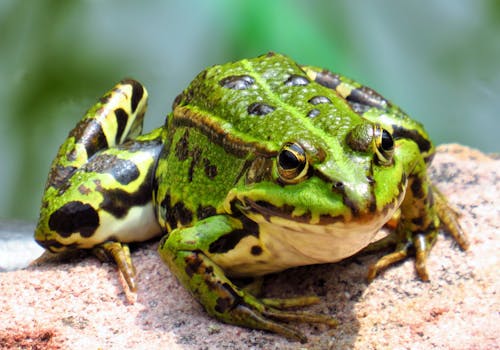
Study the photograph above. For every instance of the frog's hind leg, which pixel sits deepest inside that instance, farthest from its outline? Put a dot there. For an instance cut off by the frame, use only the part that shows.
(116, 117)
(72, 199)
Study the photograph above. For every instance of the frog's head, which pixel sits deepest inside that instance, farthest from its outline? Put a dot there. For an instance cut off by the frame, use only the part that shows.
(348, 189)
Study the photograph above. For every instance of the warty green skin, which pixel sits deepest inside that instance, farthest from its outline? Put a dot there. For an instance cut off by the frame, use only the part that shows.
(264, 165)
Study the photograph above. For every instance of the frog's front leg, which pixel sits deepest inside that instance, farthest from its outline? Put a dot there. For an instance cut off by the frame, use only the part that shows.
(185, 252)
(423, 210)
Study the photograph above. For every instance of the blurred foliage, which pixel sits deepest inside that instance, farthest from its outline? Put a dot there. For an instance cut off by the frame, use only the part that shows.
(438, 60)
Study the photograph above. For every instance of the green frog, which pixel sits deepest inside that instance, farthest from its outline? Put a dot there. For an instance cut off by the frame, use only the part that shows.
(262, 165)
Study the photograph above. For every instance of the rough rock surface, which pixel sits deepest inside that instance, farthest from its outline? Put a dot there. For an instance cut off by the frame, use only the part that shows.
(80, 303)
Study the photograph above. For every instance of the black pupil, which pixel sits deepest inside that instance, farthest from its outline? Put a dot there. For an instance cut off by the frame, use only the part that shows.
(387, 141)
(288, 160)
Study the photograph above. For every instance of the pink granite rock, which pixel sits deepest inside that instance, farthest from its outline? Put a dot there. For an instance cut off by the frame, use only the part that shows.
(80, 304)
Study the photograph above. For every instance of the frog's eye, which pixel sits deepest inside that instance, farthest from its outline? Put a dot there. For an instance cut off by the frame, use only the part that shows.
(292, 163)
(384, 145)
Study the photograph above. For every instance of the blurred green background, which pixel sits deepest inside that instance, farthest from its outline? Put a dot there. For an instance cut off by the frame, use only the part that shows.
(438, 60)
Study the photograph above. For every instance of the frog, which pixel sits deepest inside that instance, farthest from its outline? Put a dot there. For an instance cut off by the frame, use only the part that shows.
(262, 165)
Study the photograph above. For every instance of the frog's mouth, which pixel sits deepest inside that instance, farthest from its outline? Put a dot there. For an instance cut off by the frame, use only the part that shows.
(269, 211)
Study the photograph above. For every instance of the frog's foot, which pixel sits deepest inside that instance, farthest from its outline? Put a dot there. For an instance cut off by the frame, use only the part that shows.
(449, 219)
(399, 254)
(120, 253)
(421, 243)
(258, 313)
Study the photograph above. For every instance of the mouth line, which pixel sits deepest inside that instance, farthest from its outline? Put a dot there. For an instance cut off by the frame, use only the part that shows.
(268, 210)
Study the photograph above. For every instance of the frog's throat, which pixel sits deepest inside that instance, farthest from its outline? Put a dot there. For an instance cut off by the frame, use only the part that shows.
(287, 243)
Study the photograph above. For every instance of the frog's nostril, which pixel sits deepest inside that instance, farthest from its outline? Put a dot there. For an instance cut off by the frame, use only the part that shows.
(339, 186)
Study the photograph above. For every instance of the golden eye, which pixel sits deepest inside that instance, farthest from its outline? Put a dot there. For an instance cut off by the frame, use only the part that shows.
(292, 163)
(383, 145)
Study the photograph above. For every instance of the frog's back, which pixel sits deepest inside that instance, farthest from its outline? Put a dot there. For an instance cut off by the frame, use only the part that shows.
(267, 100)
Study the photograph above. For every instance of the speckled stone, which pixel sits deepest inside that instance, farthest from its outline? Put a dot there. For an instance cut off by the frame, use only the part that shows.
(80, 304)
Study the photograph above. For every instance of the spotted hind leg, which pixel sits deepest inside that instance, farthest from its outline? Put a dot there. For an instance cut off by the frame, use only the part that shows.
(116, 117)
(71, 208)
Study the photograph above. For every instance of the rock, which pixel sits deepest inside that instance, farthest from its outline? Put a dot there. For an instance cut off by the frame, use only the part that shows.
(80, 303)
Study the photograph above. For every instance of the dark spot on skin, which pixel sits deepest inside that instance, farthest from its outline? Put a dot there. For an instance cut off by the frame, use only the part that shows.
(205, 212)
(400, 132)
(89, 133)
(169, 213)
(296, 80)
(316, 100)
(177, 100)
(176, 213)
(367, 97)
(182, 147)
(59, 175)
(118, 202)
(416, 188)
(183, 214)
(237, 82)
(228, 241)
(195, 158)
(259, 108)
(222, 304)
(84, 190)
(193, 264)
(210, 169)
(124, 171)
(104, 99)
(358, 107)
(313, 113)
(418, 221)
(121, 120)
(229, 301)
(256, 250)
(137, 93)
(327, 79)
(74, 217)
